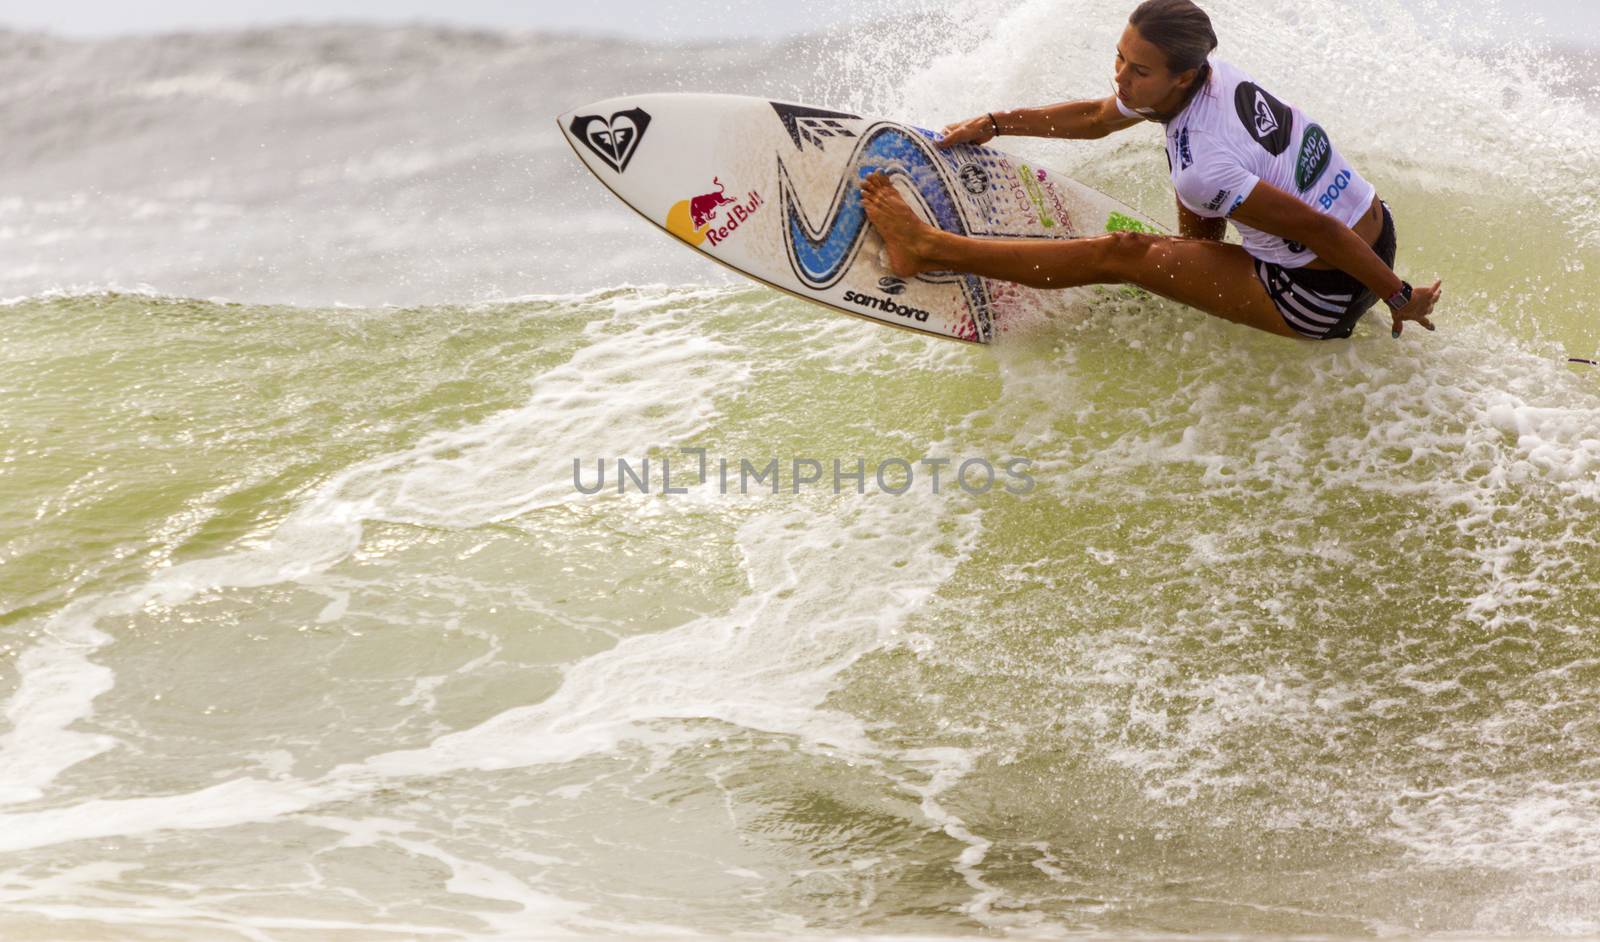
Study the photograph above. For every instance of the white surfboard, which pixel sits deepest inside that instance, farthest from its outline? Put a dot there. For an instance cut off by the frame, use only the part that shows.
(772, 190)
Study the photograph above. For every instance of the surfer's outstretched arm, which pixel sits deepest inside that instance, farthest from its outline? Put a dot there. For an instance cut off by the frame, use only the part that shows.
(1082, 120)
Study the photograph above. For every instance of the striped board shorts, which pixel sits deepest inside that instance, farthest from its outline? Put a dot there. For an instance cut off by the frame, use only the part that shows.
(1324, 304)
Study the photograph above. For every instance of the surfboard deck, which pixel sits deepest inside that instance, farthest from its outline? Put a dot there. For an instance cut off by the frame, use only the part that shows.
(771, 189)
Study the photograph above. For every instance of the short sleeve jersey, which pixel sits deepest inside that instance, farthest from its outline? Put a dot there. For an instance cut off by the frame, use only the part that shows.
(1234, 134)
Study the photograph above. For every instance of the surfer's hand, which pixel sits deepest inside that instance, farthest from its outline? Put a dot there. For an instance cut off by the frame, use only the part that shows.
(979, 130)
(1422, 302)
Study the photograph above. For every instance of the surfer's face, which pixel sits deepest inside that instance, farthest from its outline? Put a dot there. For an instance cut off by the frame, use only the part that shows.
(1143, 79)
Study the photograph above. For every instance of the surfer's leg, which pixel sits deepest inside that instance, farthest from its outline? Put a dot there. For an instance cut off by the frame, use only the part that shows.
(1214, 277)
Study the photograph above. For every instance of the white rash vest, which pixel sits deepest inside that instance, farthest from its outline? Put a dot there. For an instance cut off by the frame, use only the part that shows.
(1232, 135)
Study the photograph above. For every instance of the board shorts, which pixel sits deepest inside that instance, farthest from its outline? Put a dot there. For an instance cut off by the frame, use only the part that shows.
(1324, 304)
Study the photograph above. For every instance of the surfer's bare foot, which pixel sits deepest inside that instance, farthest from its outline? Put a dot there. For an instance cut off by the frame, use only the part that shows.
(908, 239)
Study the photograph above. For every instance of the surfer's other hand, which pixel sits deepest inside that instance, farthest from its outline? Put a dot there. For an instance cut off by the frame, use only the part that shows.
(979, 130)
(1422, 302)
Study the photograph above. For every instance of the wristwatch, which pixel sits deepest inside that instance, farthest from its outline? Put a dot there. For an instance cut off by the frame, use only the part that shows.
(1400, 298)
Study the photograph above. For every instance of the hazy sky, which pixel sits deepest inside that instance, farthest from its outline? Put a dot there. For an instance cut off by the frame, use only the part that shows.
(1571, 20)
(670, 19)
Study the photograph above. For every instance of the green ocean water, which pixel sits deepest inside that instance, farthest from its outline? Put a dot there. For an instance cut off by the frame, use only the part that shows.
(1287, 639)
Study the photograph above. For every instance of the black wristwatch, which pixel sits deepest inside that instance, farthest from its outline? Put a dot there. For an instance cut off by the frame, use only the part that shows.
(1400, 298)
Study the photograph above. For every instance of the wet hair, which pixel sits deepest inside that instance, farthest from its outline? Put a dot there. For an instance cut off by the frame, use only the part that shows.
(1181, 30)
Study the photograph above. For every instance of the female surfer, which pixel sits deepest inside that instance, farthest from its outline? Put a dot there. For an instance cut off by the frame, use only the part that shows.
(1318, 243)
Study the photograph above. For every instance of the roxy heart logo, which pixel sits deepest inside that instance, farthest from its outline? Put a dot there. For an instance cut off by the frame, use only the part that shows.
(1269, 120)
(1266, 121)
(613, 139)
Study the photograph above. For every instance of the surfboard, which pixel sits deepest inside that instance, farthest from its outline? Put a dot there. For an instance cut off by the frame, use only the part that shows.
(771, 189)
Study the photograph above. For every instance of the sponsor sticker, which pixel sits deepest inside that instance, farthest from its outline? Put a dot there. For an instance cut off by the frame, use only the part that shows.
(812, 126)
(974, 179)
(1035, 193)
(692, 220)
(1315, 152)
(615, 139)
(1062, 217)
(1335, 190)
(885, 305)
(1268, 120)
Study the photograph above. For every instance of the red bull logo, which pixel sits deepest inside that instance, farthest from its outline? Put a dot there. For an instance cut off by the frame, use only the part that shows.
(693, 220)
(703, 208)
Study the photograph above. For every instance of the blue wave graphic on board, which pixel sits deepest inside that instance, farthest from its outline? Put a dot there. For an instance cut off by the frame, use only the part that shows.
(820, 255)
